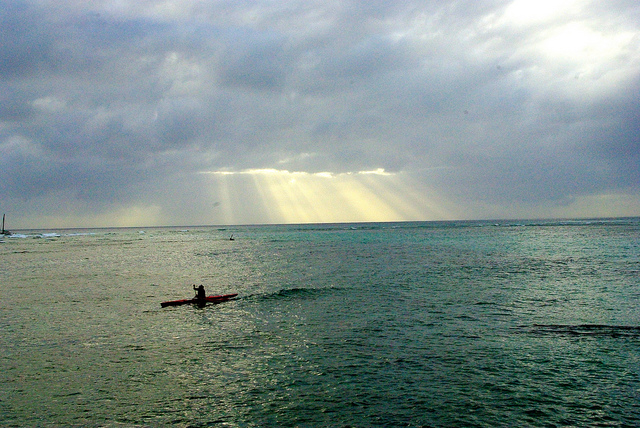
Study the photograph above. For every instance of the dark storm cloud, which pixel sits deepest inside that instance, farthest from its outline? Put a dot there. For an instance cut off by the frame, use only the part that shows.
(256, 61)
(498, 102)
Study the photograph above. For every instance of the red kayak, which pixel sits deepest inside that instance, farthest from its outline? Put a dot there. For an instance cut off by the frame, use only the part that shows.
(208, 299)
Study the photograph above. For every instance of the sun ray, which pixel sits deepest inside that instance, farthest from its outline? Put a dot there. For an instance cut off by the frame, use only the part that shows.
(282, 196)
(273, 213)
(223, 198)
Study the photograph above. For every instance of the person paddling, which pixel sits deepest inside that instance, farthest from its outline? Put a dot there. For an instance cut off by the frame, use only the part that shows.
(200, 295)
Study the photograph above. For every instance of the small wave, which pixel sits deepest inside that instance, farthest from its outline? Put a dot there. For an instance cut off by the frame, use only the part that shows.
(291, 293)
(288, 293)
(18, 236)
(583, 330)
(44, 235)
(36, 235)
(50, 235)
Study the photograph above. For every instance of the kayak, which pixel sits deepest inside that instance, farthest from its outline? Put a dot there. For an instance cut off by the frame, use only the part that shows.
(208, 299)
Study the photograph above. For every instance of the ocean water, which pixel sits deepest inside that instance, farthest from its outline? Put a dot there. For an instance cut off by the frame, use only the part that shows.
(474, 324)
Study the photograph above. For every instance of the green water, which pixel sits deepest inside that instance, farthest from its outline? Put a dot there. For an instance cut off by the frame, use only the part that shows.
(406, 324)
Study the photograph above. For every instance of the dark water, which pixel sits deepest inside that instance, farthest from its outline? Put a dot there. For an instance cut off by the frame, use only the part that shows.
(392, 324)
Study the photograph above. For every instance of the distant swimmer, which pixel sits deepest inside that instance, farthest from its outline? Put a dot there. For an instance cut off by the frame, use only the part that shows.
(201, 294)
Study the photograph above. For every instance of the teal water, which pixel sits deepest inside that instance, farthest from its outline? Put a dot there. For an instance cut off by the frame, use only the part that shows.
(392, 324)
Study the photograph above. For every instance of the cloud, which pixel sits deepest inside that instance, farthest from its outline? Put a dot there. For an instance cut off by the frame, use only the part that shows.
(494, 109)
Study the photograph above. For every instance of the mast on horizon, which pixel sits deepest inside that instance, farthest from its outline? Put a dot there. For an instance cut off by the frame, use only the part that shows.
(4, 232)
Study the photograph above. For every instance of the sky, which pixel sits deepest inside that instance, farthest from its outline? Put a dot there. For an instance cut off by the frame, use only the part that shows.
(211, 112)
